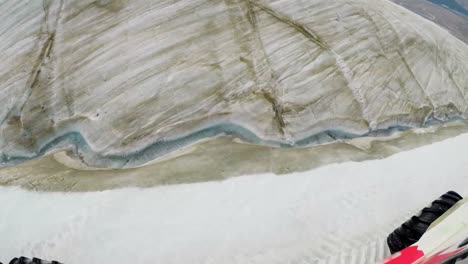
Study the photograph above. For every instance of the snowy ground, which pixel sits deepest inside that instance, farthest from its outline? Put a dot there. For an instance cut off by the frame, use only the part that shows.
(336, 214)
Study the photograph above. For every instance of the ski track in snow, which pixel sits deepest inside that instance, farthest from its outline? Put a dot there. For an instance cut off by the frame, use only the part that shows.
(339, 213)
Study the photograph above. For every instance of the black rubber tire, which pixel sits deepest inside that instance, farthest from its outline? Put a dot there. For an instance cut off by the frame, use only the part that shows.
(412, 230)
(14, 261)
(24, 260)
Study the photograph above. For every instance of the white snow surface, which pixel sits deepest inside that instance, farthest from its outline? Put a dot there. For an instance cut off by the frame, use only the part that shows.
(340, 213)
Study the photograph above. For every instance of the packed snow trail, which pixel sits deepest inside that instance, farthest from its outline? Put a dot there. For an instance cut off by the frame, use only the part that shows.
(336, 214)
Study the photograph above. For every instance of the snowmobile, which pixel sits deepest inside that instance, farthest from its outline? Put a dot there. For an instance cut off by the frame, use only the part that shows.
(438, 234)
